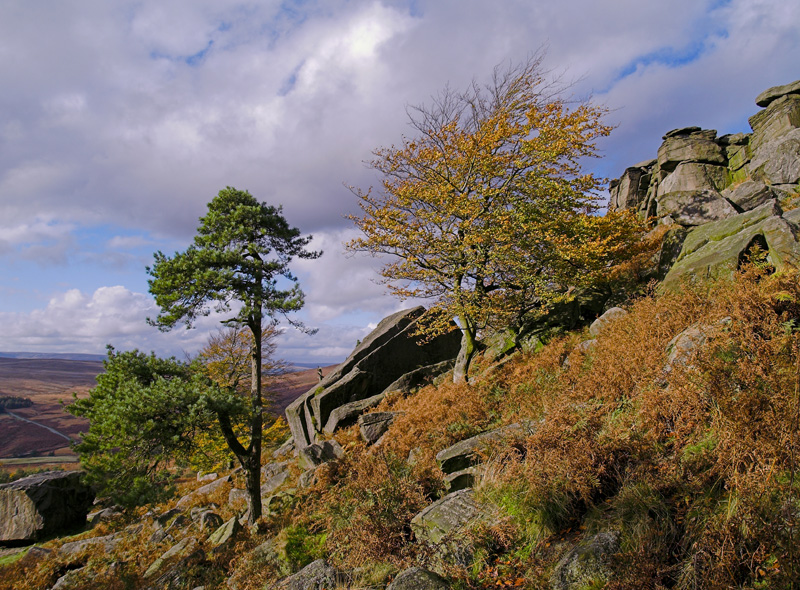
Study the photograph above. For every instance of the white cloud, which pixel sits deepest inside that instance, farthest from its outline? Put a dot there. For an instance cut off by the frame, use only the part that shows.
(127, 118)
(341, 283)
(73, 321)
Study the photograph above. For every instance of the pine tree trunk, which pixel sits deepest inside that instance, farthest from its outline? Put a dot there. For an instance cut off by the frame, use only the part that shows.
(256, 427)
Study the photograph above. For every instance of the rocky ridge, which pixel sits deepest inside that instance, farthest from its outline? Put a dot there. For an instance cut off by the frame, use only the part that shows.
(720, 196)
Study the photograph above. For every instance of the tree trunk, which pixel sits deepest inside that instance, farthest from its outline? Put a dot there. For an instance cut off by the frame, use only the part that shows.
(256, 426)
(253, 487)
(465, 354)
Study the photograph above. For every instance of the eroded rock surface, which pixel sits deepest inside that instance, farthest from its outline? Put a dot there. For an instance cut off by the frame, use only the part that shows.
(725, 195)
(44, 504)
(387, 354)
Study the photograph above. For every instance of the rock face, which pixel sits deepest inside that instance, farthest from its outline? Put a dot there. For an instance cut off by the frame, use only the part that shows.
(387, 354)
(723, 195)
(42, 505)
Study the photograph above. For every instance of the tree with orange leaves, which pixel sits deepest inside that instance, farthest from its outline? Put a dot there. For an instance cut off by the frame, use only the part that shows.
(487, 211)
(226, 360)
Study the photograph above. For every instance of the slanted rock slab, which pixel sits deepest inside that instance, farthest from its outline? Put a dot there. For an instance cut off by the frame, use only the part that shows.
(225, 533)
(771, 94)
(185, 548)
(107, 543)
(466, 453)
(748, 195)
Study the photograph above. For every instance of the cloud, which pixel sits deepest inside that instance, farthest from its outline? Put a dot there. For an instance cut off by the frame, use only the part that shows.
(73, 321)
(125, 118)
(339, 282)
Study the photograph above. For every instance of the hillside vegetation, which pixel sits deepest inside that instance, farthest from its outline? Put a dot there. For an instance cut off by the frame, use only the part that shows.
(684, 454)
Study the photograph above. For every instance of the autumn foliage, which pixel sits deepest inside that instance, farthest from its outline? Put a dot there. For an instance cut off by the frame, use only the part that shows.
(486, 210)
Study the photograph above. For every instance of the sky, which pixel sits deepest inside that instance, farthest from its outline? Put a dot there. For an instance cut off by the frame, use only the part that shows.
(120, 120)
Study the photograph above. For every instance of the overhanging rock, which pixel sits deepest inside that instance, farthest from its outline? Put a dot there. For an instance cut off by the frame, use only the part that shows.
(390, 351)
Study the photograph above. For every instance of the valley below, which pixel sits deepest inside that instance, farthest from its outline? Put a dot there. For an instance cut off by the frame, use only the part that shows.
(41, 434)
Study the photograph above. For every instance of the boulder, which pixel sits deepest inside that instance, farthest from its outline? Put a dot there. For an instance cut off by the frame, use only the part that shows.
(692, 208)
(34, 556)
(778, 161)
(447, 518)
(748, 195)
(166, 517)
(779, 118)
(500, 344)
(187, 549)
(587, 565)
(771, 94)
(686, 344)
(373, 426)
(237, 495)
(44, 504)
(689, 145)
(285, 450)
(225, 533)
(317, 575)
(718, 248)
(443, 527)
(694, 176)
(273, 482)
(609, 316)
(417, 578)
(72, 580)
(107, 543)
(467, 453)
(207, 489)
(386, 354)
(105, 515)
(314, 455)
(209, 520)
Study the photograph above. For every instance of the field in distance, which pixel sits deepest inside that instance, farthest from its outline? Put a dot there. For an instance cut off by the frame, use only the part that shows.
(41, 434)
